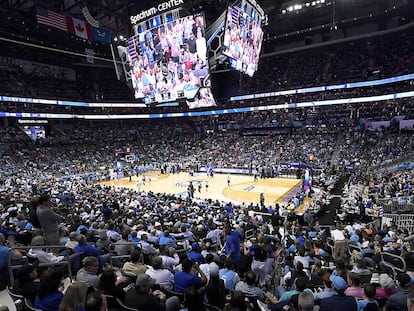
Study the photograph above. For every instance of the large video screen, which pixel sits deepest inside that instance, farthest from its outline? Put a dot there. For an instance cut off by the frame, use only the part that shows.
(170, 62)
(204, 98)
(243, 38)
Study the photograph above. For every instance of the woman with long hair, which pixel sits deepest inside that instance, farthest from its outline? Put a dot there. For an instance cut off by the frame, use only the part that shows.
(74, 298)
(49, 295)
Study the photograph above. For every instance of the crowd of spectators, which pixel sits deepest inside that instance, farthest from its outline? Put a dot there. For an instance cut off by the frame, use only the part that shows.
(170, 238)
(359, 60)
(181, 250)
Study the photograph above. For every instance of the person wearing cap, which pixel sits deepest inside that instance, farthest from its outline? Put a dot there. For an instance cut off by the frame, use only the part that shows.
(25, 282)
(340, 301)
(195, 254)
(398, 301)
(163, 276)
(142, 298)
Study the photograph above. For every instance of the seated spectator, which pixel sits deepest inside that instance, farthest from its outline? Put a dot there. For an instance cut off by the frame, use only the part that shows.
(15, 255)
(359, 267)
(387, 287)
(354, 289)
(96, 301)
(123, 246)
(339, 301)
(169, 257)
(248, 287)
(209, 266)
(195, 254)
(141, 298)
(292, 275)
(49, 295)
(111, 285)
(368, 303)
(148, 249)
(74, 298)
(398, 301)
(193, 300)
(300, 286)
(410, 301)
(215, 291)
(164, 277)
(103, 242)
(186, 279)
(305, 302)
(134, 267)
(166, 239)
(89, 273)
(228, 275)
(237, 303)
(25, 282)
(72, 242)
(327, 291)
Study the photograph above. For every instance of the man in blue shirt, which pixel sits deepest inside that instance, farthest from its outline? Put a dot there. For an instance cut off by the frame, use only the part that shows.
(233, 240)
(185, 279)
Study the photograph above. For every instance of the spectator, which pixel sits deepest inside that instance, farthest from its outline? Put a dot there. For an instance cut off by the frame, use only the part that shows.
(74, 298)
(5, 251)
(49, 220)
(233, 240)
(368, 303)
(228, 275)
(398, 301)
(96, 301)
(141, 298)
(163, 277)
(186, 279)
(25, 282)
(338, 302)
(89, 273)
(49, 295)
(305, 302)
(133, 267)
(248, 287)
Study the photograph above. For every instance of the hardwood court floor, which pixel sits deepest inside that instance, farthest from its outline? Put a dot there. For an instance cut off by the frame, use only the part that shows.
(242, 188)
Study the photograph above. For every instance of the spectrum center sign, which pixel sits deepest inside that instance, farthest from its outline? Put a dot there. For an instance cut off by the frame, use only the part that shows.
(165, 6)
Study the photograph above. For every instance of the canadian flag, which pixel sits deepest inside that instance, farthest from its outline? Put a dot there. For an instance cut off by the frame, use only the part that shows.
(80, 28)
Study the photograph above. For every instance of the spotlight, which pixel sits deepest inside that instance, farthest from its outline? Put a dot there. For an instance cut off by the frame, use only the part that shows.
(116, 39)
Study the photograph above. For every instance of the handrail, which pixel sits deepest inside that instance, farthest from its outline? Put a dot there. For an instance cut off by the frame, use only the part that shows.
(12, 267)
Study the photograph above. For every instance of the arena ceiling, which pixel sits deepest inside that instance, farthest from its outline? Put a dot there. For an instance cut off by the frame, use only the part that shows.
(114, 14)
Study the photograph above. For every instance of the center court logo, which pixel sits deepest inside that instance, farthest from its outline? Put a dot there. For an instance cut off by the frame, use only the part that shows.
(185, 184)
(249, 188)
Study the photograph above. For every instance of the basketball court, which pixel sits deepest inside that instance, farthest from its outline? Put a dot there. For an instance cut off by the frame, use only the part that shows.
(242, 188)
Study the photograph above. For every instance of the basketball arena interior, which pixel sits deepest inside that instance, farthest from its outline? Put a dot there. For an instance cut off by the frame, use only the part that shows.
(206, 155)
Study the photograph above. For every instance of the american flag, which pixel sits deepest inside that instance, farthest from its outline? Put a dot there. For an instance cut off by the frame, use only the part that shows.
(52, 19)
